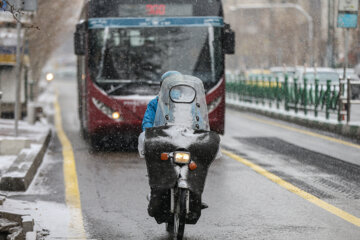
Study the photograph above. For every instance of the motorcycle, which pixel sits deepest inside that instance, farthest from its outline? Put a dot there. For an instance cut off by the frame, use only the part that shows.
(179, 150)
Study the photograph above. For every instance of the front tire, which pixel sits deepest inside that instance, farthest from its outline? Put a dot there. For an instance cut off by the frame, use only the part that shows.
(180, 215)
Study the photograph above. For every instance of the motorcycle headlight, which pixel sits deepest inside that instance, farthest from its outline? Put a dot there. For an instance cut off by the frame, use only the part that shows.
(182, 157)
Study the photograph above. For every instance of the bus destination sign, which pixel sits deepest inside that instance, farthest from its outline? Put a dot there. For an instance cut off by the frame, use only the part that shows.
(148, 10)
(155, 9)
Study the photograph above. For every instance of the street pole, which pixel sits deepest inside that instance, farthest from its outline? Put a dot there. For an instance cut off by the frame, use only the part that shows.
(348, 11)
(17, 111)
(344, 76)
(330, 38)
(285, 5)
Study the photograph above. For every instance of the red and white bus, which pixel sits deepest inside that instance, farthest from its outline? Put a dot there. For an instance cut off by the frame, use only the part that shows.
(123, 48)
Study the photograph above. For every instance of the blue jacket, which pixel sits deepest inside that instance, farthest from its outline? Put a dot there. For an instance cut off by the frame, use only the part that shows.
(149, 116)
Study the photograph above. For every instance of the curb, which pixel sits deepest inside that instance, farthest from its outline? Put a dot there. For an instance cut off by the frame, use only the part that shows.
(345, 130)
(19, 176)
(2, 199)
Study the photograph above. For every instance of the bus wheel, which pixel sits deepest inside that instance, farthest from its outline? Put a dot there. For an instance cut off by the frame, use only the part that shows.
(94, 141)
(84, 134)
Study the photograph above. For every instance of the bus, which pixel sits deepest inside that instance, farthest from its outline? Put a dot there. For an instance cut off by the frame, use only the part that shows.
(124, 46)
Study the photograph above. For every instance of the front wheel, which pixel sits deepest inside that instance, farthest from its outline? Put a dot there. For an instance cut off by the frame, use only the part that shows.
(180, 215)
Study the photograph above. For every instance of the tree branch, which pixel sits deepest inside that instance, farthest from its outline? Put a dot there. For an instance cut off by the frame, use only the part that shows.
(16, 13)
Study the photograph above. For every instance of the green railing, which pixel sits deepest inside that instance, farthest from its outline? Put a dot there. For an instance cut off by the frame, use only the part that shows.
(289, 94)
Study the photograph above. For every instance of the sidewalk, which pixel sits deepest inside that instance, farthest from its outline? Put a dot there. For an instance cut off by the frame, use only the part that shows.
(20, 158)
(332, 125)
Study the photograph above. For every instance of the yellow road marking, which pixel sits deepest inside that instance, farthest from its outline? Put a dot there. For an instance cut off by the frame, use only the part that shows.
(72, 194)
(304, 132)
(288, 186)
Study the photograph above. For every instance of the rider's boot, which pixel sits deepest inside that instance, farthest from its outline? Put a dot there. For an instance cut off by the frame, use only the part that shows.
(204, 205)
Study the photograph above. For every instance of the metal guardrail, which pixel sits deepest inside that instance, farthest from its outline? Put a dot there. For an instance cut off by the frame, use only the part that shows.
(290, 94)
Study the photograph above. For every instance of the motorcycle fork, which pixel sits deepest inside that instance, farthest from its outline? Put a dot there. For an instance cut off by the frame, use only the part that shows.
(174, 196)
(182, 173)
(172, 200)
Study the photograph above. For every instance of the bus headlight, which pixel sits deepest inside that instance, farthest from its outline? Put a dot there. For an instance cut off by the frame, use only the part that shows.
(107, 110)
(115, 115)
(214, 104)
(182, 157)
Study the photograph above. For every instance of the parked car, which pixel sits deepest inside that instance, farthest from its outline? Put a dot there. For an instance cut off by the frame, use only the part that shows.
(257, 73)
(281, 71)
(350, 72)
(321, 73)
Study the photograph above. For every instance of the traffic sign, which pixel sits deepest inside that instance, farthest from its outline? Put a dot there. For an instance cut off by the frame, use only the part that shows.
(348, 13)
(348, 5)
(347, 20)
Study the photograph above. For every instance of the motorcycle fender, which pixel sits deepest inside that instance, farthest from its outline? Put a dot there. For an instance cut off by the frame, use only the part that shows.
(182, 173)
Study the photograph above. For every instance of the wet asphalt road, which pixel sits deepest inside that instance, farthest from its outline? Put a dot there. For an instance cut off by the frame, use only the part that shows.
(243, 204)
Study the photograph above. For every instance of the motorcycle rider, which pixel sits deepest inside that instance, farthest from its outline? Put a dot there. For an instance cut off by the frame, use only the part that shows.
(148, 122)
(149, 116)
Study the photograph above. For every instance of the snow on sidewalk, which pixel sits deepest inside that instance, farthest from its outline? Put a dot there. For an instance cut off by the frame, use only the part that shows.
(21, 152)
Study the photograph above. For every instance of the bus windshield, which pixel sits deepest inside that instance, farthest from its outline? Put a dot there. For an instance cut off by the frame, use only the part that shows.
(118, 55)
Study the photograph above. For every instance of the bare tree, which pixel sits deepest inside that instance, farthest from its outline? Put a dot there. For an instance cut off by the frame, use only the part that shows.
(54, 20)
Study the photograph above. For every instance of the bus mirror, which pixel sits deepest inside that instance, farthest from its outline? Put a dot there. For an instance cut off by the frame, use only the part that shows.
(228, 43)
(79, 45)
(79, 39)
